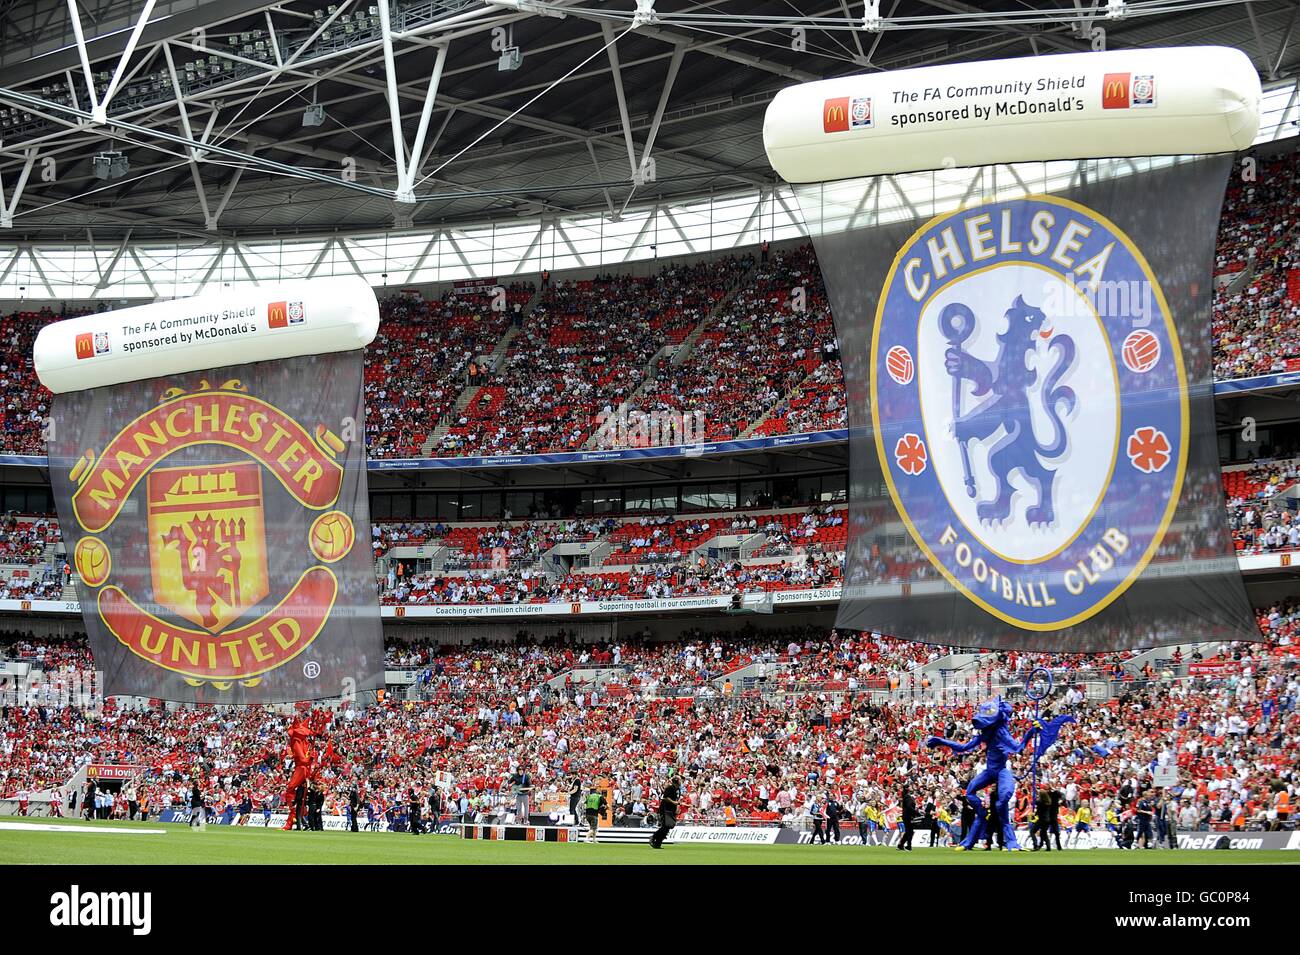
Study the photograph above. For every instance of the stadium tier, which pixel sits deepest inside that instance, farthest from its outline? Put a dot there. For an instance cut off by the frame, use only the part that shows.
(769, 723)
(749, 344)
(744, 550)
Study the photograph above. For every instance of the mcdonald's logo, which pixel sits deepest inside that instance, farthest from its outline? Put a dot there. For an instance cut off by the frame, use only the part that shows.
(284, 314)
(1115, 91)
(277, 315)
(90, 344)
(835, 115)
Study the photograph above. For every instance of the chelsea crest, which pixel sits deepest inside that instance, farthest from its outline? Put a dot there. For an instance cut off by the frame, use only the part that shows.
(1030, 406)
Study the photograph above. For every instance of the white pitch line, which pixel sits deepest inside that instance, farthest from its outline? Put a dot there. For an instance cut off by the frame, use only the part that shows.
(52, 827)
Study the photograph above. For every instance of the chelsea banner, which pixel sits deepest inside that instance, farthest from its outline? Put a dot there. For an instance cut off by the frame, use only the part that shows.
(1027, 361)
(218, 524)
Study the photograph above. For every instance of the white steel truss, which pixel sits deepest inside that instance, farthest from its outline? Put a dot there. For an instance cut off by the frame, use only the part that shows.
(149, 269)
(207, 138)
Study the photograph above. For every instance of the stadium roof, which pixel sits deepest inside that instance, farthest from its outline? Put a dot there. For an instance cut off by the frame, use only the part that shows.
(290, 101)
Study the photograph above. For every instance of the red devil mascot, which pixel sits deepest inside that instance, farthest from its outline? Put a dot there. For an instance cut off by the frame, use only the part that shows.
(301, 733)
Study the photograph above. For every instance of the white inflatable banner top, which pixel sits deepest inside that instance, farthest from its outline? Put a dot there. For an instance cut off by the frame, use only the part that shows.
(239, 324)
(1148, 102)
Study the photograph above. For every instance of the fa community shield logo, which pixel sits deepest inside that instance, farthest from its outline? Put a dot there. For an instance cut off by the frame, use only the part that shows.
(1036, 455)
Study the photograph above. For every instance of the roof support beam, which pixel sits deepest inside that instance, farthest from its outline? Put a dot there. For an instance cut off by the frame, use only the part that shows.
(144, 273)
(239, 254)
(343, 244)
(13, 261)
(109, 216)
(72, 88)
(424, 255)
(428, 150)
(394, 104)
(7, 211)
(40, 272)
(405, 187)
(212, 220)
(217, 256)
(275, 40)
(75, 17)
(1285, 42)
(643, 172)
(320, 259)
(674, 64)
(645, 228)
(29, 102)
(1259, 42)
(107, 273)
(101, 109)
(616, 73)
(609, 200)
(857, 42)
(754, 221)
(714, 47)
(558, 228)
(875, 42)
(521, 263)
(325, 25)
(209, 222)
(455, 247)
(1051, 39)
(1286, 111)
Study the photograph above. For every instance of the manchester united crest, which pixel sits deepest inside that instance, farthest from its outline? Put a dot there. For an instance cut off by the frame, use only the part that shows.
(1030, 406)
(211, 563)
(211, 608)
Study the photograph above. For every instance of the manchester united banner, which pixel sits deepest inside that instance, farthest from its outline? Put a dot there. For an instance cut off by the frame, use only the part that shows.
(1026, 352)
(217, 517)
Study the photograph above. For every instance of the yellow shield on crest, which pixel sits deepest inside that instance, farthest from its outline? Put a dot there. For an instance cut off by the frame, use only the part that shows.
(207, 541)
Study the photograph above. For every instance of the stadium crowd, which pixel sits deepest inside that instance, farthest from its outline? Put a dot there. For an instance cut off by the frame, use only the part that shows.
(424, 357)
(1256, 323)
(789, 725)
(584, 348)
(24, 541)
(1262, 506)
(763, 726)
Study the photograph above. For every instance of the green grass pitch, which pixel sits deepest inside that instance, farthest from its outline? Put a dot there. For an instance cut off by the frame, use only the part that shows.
(225, 845)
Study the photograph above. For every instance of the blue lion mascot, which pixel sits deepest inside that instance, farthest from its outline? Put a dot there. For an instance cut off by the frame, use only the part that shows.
(990, 723)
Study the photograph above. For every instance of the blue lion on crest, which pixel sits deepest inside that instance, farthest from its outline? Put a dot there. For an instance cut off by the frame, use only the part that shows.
(1006, 381)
